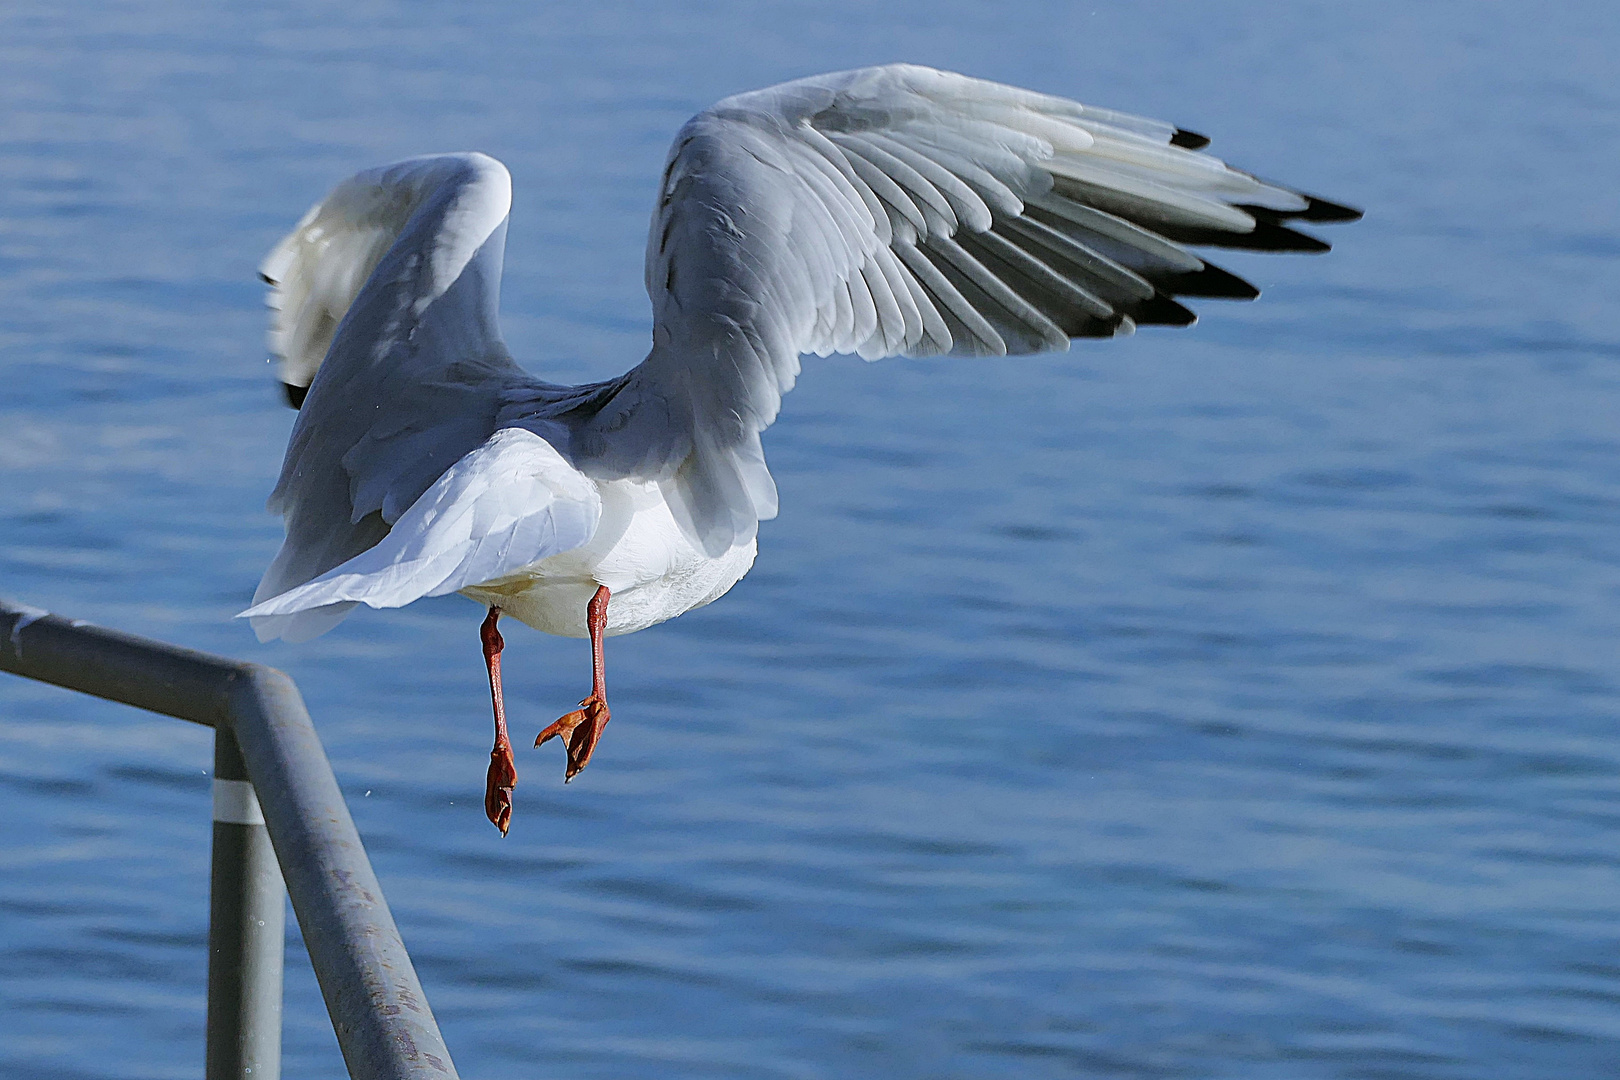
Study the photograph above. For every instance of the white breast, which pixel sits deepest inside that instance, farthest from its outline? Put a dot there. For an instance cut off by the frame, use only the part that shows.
(639, 552)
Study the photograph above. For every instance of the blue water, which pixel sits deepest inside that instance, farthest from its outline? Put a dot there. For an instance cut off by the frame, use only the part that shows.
(1229, 702)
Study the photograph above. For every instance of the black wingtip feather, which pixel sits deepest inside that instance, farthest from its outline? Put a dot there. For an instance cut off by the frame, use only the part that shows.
(1316, 210)
(1189, 140)
(295, 394)
(1266, 236)
(1212, 282)
(267, 279)
(1323, 210)
(1161, 311)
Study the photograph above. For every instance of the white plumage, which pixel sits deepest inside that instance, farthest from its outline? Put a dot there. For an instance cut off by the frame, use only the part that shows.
(884, 211)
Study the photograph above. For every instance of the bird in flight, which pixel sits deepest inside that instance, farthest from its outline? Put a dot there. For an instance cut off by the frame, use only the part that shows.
(893, 210)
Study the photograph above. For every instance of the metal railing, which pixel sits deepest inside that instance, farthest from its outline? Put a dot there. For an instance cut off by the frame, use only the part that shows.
(278, 815)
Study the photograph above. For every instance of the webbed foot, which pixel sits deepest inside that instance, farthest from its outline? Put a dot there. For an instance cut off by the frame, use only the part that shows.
(581, 729)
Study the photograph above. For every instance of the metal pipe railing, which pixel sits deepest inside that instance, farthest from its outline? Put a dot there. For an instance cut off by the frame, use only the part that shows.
(269, 767)
(246, 927)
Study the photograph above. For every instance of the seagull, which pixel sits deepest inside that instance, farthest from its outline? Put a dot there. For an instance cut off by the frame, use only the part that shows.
(887, 211)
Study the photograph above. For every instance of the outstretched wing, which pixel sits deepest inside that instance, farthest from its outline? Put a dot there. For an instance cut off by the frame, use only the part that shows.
(508, 504)
(901, 210)
(385, 298)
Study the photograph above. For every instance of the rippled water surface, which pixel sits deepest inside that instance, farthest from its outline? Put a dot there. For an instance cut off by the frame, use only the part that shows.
(1229, 702)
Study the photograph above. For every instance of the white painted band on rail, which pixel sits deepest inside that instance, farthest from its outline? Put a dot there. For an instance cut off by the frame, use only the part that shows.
(235, 803)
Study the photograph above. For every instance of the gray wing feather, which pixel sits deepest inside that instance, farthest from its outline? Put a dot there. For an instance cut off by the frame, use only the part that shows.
(898, 210)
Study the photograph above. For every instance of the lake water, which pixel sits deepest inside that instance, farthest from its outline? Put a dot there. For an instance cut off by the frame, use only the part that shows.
(1229, 702)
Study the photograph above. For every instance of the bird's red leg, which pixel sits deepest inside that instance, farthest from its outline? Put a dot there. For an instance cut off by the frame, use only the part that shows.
(584, 725)
(502, 770)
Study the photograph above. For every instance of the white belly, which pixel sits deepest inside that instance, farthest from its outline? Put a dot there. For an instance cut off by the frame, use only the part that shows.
(649, 566)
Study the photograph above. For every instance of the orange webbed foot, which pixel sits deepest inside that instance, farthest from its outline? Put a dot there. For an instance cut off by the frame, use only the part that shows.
(582, 728)
(498, 785)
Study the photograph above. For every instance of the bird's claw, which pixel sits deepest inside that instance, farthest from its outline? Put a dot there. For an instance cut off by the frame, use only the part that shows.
(498, 787)
(582, 728)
